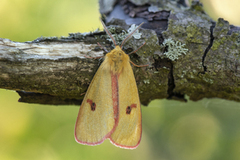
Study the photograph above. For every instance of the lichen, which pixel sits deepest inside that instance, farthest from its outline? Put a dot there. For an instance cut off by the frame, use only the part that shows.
(175, 49)
(119, 37)
(146, 81)
(136, 34)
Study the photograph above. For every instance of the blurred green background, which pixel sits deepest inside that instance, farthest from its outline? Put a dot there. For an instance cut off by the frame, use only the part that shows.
(205, 130)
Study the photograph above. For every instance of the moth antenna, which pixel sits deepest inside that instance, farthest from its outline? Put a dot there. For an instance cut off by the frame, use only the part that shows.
(105, 28)
(137, 49)
(129, 36)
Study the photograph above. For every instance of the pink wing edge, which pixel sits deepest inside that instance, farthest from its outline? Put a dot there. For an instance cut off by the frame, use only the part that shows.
(126, 147)
(108, 135)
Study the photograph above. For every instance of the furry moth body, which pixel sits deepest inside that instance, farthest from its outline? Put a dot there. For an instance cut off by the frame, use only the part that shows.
(111, 106)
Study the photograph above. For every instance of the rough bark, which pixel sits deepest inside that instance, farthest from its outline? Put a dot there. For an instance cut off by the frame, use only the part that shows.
(187, 52)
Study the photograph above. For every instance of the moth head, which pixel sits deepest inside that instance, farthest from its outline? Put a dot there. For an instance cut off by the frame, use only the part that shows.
(117, 54)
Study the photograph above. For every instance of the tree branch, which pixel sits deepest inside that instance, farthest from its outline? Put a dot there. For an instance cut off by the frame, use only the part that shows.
(198, 58)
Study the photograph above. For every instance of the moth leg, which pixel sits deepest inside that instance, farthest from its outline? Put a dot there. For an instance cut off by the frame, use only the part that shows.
(102, 47)
(82, 93)
(93, 57)
(139, 65)
(137, 49)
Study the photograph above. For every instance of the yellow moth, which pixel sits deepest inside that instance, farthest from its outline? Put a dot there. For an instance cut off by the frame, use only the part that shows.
(111, 106)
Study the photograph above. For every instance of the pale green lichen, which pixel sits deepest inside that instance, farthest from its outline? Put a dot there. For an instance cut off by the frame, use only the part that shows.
(146, 81)
(175, 49)
(136, 34)
(120, 37)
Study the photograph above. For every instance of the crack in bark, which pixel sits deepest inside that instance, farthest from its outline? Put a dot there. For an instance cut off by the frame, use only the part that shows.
(160, 63)
(208, 47)
(171, 86)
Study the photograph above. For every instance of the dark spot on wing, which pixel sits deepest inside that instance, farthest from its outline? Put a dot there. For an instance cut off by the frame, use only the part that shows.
(92, 104)
(129, 108)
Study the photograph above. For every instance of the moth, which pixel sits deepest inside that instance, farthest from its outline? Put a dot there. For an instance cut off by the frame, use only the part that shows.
(111, 106)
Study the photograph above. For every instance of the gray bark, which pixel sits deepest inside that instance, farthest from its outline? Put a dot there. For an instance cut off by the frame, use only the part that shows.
(198, 58)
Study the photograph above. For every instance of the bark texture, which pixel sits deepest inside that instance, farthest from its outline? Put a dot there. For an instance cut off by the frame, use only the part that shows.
(187, 52)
